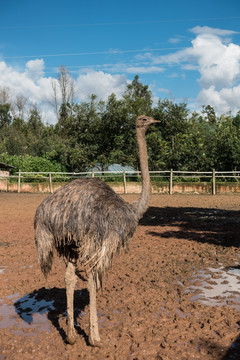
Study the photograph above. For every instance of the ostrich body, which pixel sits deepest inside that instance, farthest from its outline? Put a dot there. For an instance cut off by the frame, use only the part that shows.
(86, 222)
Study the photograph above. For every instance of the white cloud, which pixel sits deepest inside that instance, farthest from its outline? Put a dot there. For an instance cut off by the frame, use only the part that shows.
(19, 83)
(35, 69)
(144, 69)
(214, 31)
(176, 40)
(212, 54)
(217, 59)
(227, 99)
(190, 67)
(174, 75)
(37, 88)
(100, 84)
(218, 63)
(163, 90)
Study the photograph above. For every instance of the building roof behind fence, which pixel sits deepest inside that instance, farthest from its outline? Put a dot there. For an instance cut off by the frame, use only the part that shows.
(112, 167)
(4, 166)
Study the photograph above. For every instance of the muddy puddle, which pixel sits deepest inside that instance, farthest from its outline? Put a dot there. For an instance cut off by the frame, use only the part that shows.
(3, 269)
(35, 311)
(174, 295)
(26, 315)
(217, 286)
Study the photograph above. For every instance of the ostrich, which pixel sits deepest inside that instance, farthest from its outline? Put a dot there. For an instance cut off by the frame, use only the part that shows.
(85, 221)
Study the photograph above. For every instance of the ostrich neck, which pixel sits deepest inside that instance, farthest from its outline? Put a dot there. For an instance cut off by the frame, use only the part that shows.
(143, 201)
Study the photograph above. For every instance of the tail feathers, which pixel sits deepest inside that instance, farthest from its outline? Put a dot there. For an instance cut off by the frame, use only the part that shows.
(46, 263)
(44, 244)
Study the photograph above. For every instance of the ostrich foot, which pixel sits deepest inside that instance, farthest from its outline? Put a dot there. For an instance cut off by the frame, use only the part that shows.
(95, 342)
(71, 336)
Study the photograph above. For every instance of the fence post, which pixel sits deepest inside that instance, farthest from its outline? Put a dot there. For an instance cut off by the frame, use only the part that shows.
(19, 181)
(213, 182)
(92, 174)
(171, 182)
(124, 182)
(50, 183)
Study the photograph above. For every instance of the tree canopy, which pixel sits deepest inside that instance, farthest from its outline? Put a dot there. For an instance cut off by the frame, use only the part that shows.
(103, 132)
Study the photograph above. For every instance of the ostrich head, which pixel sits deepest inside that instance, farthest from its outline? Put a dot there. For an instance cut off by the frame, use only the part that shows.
(143, 122)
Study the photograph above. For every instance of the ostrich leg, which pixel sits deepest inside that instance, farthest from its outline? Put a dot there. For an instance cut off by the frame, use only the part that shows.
(70, 281)
(94, 338)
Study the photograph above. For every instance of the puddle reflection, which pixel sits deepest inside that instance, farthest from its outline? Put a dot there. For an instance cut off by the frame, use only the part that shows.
(217, 286)
(2, 269)
(29, 305)
(33, 311)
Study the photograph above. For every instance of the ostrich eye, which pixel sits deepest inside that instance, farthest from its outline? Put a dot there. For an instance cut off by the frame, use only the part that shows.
(144, 119)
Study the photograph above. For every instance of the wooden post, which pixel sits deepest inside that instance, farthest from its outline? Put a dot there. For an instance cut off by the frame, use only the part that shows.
(213, 182)
(19, 181)
(171, 182)
(92, 174)
(124, 182)
(50, 183)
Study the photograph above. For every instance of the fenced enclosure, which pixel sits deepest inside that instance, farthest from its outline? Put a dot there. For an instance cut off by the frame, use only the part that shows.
(163, 182)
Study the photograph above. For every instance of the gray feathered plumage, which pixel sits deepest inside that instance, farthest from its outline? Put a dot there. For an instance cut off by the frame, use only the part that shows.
(87, 221)
(84, 219)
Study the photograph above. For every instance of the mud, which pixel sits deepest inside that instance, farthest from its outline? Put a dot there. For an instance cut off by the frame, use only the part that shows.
(174, 295)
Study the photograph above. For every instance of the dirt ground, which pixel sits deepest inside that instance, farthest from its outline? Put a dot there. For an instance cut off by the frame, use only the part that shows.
(174, 295)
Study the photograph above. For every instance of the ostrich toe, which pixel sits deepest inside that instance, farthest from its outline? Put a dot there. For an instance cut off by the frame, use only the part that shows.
(95, 343)
(71, 337)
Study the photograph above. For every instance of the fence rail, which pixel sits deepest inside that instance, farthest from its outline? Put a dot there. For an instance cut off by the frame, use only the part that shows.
(171, 177)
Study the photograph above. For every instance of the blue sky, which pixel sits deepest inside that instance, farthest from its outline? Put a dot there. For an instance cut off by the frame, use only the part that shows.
(184, 50)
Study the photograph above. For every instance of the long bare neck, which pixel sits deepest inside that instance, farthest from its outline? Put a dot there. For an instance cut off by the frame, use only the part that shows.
(143, 201)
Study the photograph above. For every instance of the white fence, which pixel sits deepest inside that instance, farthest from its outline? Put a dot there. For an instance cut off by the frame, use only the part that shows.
(171, 177)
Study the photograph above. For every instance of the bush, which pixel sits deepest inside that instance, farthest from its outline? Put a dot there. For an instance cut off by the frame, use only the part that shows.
(30, 163)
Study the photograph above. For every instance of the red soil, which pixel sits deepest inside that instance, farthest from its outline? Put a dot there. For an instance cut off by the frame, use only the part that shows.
(147, 309)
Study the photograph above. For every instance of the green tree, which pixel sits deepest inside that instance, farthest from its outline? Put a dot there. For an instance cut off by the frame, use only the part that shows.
(5, 115)
(137, 98)
(78, 134)
(110, 130)
(37, 134)
(173, 117)
(236, 120)
(209, 114)
(158, 150)
(227, 149)
(30, 163)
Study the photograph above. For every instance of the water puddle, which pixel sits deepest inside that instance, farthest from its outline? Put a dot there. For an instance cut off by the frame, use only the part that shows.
(35, 312)
(105, 321)
(216, 286)
(26, 315)
(28, 307)
(2, 269)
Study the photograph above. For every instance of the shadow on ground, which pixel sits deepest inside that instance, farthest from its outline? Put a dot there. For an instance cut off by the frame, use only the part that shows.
(233, 353)
(53, 303)
(214, 226)
(204, 225)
